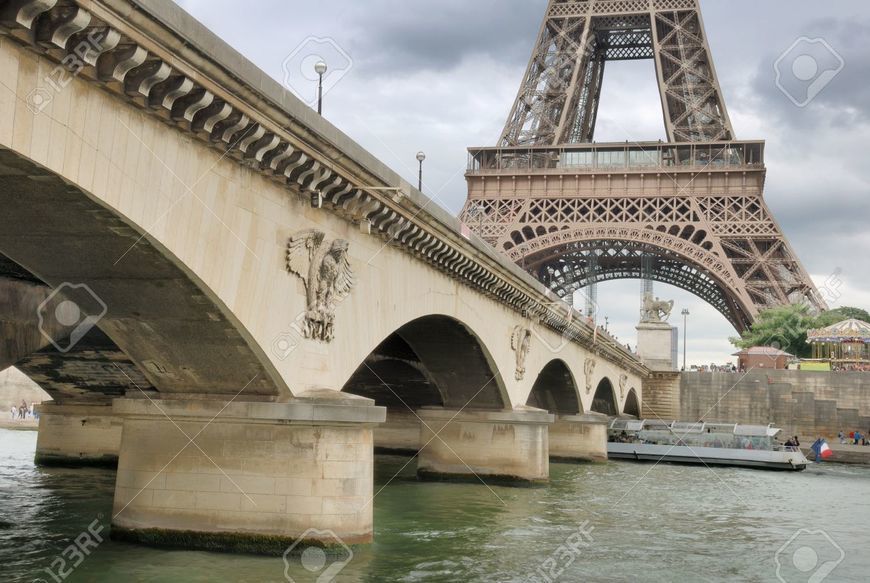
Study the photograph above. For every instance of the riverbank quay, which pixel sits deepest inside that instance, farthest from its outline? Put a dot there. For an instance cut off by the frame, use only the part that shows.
(27, 425)
(843, 453)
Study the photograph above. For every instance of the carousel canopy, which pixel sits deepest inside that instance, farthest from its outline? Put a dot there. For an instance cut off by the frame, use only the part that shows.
(845, 331)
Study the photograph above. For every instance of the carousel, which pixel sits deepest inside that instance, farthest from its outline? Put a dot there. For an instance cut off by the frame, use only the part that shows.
(846, 345)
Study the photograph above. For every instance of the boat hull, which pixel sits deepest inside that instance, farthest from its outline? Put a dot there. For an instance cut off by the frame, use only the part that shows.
(748, 458)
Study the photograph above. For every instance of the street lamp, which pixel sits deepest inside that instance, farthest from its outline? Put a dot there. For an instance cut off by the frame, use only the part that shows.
(420, 157)
(320, 68)
(477, 211)
(685, 313)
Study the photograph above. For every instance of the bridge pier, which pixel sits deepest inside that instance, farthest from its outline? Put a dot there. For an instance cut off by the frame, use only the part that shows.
(399, 434)
(579, 438)
(499, 446)
(246, 476)
(77, 435)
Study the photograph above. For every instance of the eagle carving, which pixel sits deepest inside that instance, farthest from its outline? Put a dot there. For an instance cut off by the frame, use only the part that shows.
(327, 276)
(521, 340)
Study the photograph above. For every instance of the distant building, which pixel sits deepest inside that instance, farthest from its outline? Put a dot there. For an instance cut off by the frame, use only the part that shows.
(763, 357)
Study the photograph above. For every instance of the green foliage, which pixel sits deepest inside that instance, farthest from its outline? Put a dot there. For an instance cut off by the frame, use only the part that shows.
(785, 327)
(840, 314)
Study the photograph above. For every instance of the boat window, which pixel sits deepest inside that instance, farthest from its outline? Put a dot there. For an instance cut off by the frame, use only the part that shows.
(706, 439)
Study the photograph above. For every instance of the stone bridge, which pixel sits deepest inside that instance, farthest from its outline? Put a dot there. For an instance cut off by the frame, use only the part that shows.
(235, 302)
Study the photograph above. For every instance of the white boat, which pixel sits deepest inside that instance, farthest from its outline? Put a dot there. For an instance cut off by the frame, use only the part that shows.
(721, 444)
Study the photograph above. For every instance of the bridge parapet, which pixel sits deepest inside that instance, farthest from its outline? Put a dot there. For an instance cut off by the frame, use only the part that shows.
(157, 58)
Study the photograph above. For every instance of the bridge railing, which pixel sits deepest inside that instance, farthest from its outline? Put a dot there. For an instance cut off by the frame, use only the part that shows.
(618, 156)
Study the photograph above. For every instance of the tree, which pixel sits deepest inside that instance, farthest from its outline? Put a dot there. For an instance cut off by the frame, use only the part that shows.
(840, 314)
(782, 327)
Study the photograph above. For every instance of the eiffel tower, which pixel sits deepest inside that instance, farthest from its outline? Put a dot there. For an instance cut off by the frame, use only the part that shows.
(574, 212)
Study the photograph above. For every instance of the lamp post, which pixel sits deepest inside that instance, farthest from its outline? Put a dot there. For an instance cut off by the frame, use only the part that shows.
(320, 68)
(685, 313)
(478, 211)
(420, 157)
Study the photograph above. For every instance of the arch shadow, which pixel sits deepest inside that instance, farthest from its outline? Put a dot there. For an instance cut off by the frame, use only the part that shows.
(604, 401)
(435, 360)
(632, 404)
(555, 390)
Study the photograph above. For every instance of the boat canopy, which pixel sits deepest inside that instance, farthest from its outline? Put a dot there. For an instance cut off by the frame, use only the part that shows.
(633, 425)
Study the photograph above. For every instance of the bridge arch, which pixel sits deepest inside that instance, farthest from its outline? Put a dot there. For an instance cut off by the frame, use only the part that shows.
(555, 390)
(571, 259)
(151, 309)
(605, 400)
(434, 360)
(632, 404)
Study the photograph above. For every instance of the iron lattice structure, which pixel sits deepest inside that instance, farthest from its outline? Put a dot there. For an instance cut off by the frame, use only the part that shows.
(574, 212)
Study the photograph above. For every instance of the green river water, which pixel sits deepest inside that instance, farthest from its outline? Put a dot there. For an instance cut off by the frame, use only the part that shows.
(618, 521)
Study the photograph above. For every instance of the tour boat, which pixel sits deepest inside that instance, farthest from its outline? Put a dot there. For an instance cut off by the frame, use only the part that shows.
(721, 444)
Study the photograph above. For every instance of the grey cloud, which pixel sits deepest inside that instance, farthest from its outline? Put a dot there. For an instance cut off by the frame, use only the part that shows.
(845, 101)
(400, 36)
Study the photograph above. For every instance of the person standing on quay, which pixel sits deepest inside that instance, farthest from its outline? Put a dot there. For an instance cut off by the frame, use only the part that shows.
(14, 411)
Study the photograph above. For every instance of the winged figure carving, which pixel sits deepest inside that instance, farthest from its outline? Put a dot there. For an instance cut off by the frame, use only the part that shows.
(588, 371)
(623, 382)
(521, 340)
(326, 274)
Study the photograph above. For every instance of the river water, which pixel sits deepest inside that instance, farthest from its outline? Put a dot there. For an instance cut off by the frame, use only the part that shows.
(619, 521)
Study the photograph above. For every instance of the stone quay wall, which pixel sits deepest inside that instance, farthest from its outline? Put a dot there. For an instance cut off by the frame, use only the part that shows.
(800, 402)
(15, 386)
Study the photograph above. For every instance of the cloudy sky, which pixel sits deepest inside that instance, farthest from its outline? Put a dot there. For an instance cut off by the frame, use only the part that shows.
(441, 76)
